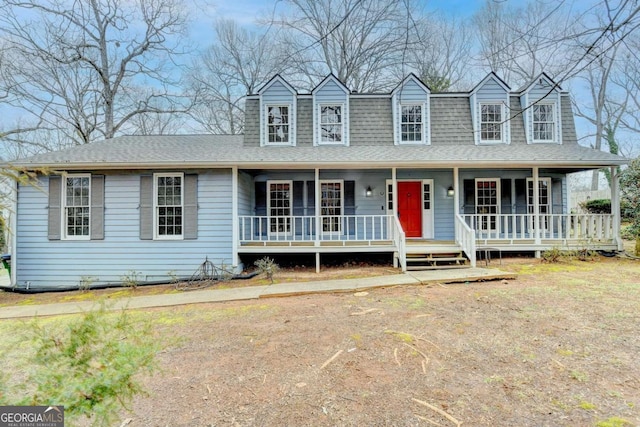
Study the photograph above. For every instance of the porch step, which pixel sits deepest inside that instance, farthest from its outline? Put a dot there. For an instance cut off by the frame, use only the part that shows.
(434, 260)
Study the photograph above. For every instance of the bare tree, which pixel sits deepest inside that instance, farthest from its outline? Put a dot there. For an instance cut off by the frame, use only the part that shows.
(239, 63)
(439, 52)
(79, 66)
(359, 41)
(519, 43)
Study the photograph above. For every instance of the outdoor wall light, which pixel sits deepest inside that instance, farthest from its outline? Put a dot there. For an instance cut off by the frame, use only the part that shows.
(450, 191)
(369, 191)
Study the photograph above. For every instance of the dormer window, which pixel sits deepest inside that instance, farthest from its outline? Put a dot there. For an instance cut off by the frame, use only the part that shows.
(331, 124)
(491, 119)
(278, 124)
(411, 123)
(543, 123)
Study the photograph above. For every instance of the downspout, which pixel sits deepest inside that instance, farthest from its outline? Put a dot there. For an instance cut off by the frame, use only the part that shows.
(13, 239)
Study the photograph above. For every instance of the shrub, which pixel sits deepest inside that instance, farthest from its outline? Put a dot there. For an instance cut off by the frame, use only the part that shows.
(267, 266)
(597, 206)
(90, 365)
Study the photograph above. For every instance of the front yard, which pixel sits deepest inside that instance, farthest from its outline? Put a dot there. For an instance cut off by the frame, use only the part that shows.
(559, 346)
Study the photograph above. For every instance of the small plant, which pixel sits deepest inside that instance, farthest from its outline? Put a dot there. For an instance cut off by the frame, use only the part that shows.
(553, 255)
(267, 266)
(131, 279)
(91, 367)
(614, 422)
(86, 282)
(173, 276)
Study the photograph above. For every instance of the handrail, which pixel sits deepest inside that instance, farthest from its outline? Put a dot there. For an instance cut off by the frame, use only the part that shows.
(400, 240)
(465, 237)
(552, 226)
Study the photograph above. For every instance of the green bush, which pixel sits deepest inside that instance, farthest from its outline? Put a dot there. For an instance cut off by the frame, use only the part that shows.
(597, 206)
(90, 365)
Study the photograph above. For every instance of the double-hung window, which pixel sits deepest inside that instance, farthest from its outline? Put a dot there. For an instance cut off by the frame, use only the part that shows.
(411, 124)
(278, 124)
(168, 191)
(331, 124)
(491, 123)
(77, 206)
(543, 123)
(331, 205)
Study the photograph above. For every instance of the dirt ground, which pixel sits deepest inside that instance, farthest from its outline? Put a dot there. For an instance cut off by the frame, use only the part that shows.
(558, 346)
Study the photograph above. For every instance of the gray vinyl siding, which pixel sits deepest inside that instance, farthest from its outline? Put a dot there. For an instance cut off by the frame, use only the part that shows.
(41, 262)
(371, 121)
(451, 121)
(245, 189)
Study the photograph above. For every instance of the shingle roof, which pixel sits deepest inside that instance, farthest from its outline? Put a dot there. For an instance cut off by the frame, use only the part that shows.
(206, 151)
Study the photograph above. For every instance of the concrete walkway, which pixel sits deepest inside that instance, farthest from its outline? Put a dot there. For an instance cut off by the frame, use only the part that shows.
(255, 292)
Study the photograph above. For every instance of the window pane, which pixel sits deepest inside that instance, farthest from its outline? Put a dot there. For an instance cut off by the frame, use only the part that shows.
(278, 124)
(331, 123)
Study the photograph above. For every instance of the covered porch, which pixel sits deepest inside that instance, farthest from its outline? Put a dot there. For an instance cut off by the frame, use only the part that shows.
(335, 213)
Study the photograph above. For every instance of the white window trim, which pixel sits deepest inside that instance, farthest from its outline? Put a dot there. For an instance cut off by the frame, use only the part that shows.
(290, 216)
(265, 126)
(343, 115)
(423, 112)
(554, 135)
(502, 123)
(64, 235)
(531, 203)
(342, 207)
(156, 235)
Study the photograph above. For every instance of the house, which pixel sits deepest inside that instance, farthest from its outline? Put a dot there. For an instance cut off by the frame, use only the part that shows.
(411, 173)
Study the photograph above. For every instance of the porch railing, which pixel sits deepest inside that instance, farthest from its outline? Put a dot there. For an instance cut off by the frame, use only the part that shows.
(366, 229)
(400, 242)
(577, 227)
(466, 239)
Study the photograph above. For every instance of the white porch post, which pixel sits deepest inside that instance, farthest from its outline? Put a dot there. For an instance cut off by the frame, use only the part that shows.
(235, 219)
(317, 216)
(615, 206)
(394, 201)
(456, 192)
(536, 208)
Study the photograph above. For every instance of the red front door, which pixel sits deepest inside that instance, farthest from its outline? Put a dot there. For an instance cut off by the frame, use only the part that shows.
(410, 208)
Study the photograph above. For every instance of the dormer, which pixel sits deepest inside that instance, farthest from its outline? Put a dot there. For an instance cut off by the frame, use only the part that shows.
(490, 111)
(411, 116)
(330, 112)
(540, 101)
(277, 113)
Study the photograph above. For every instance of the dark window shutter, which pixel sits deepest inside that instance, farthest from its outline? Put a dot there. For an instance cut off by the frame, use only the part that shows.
(261, 198)
(55, 207)
(505, 196)
(298, 198)
(97, 207)
(311, 198)
(146, 207)
(349, 197)
(521, 196)
(469, 188)
(191, 206)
